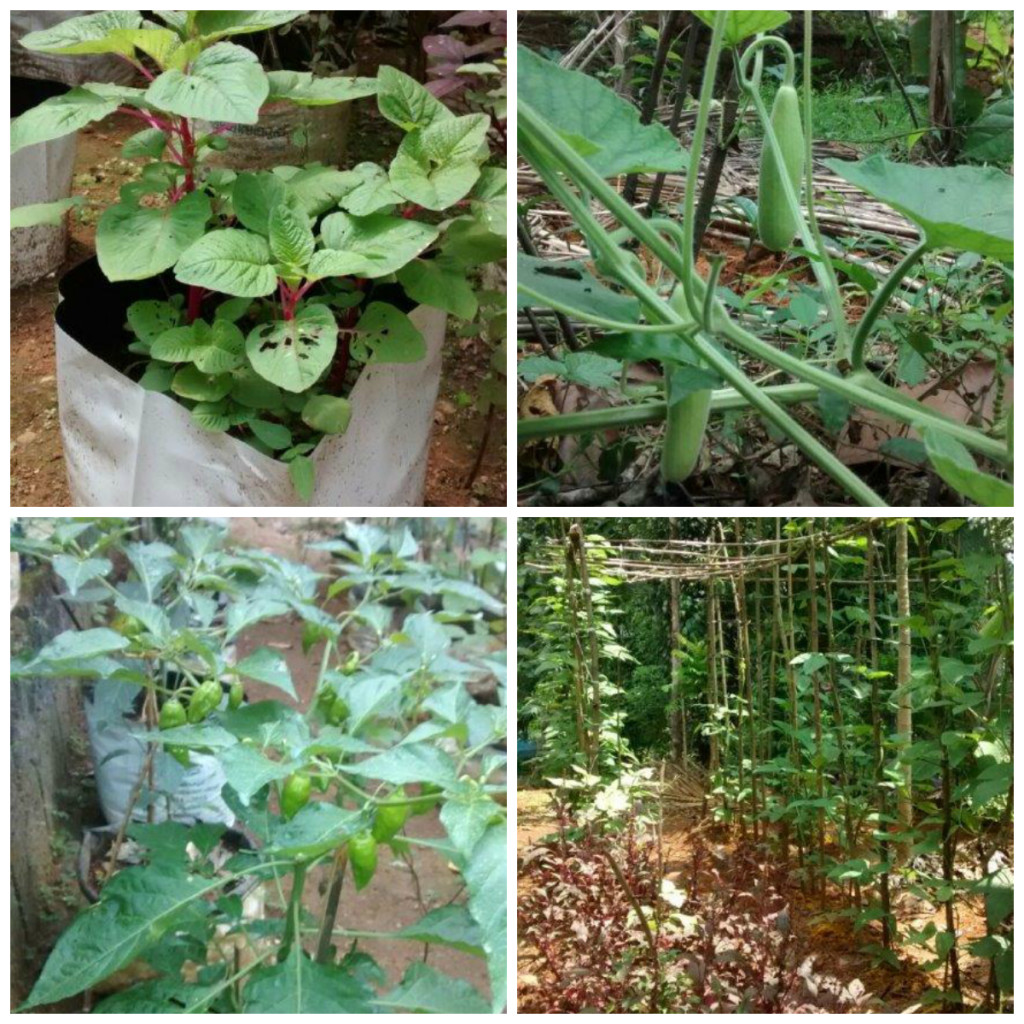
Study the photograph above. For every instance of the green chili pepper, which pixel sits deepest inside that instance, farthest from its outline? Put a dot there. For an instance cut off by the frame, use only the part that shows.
(389, 818)
(295, 794)
(362, 854)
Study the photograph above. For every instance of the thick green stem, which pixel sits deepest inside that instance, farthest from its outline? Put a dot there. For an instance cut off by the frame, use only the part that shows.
(722, 400)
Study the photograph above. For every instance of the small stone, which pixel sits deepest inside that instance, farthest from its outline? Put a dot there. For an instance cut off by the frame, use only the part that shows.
(26, 437)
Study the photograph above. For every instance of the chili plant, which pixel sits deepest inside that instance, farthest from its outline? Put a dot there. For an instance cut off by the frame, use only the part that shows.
(576, 134)
(390, 732)
(283, 271)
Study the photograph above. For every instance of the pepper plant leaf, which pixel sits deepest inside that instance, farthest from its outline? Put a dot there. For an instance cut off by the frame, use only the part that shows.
(300, 985)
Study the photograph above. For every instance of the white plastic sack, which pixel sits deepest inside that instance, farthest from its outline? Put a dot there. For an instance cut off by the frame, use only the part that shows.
(183, 794)
(127, 447)
(40, 174)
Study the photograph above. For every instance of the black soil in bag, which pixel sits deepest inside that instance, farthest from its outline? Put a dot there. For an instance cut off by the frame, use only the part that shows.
(94, 311)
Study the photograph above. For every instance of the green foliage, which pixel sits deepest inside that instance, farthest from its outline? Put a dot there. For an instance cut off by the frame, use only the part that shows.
(399, 713)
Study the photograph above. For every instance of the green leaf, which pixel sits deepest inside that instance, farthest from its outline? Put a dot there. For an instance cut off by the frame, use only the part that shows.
(955, 464)
(59, 115)
(151, 616)
(225, 83)
(327, 413)
(415, 762)
(212, 416)
(138, 908)
(291, 238)
(230, 260)
(268, 666)
(302, 88)
(294, 353)
(252, 391)
(437, 166)
(48, 214)
(78, 645)
(89, 33)
(466, 815)
(403, 101)
(385, 334)
(490, 198)
(368, 189)
(962, 207)
(385, 243)
(569, 283)
(426, 990)
(318, 189)
(602, 127)
(300, 985)
(191, 382)
(275, 436)
(317, 828)
(451, 925)
(428, 283)
(217, 24)
(740, 25)
(254, 196)
(158, 378)
(302, 472)
(76, 572)
(485, 875)
(150, 142)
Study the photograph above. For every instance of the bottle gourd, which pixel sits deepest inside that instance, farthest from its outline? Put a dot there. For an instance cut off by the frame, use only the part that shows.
(776, 222)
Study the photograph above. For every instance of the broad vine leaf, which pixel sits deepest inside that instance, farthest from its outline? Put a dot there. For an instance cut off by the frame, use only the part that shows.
(403, 101)
(226, 83)
(569, 283)
(294, 353)
(89, 33)
(969, 208)
(135, 242)
(740, 25)
(602, 127)
(230, 260)
(306, 90)
(425, 990)
(384, 242)
(385, 334)
(300, 985)
(60, 115)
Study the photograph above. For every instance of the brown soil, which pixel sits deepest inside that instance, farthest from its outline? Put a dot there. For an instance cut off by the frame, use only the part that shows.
(38, 477)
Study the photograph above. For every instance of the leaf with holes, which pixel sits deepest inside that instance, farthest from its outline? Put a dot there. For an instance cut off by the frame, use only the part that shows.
(294, 353)
(385, 334)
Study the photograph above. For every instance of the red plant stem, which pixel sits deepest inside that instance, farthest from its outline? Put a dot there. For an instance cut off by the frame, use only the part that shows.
(150, 119)
(195, 299)
(411, 210)
(188, 152)
(286, 294)
(142, 70)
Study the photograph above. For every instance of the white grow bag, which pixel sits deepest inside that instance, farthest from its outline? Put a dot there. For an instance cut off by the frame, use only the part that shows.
(127, 447)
